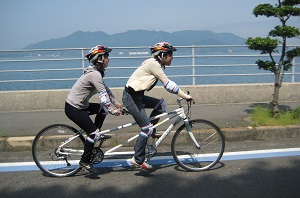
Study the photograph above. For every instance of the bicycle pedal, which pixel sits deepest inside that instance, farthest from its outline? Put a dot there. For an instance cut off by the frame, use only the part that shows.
(156, 135)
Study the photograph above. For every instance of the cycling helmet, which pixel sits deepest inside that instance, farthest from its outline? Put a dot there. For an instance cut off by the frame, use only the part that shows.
(162, 47)
(96, 51)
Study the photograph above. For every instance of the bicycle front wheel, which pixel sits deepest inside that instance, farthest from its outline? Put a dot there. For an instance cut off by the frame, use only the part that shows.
(199, 150)
(57, 150)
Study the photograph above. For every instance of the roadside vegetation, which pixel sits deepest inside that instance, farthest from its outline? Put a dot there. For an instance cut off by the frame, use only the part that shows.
(3, 134)
(276, 42)
(263, 116)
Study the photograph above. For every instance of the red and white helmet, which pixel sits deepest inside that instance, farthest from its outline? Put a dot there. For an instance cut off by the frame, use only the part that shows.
(96, 51)
(162, 47)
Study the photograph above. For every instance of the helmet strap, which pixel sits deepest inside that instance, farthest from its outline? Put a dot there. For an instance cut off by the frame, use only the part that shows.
(101, 59)
(161, 59)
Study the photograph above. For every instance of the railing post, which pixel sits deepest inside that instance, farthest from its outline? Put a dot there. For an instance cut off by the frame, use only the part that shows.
(82, 58)
(193, 65)
(293, 70)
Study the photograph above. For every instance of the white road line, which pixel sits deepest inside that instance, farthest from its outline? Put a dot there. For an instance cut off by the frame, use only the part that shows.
(227, 156)
(260, 154)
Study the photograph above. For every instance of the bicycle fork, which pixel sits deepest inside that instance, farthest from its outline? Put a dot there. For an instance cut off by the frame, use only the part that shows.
(189, 130)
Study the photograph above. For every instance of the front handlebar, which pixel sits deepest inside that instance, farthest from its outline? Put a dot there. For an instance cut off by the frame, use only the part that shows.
(189, 101)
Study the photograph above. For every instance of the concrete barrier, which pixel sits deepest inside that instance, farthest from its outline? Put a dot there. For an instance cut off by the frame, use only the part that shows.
(36, 100)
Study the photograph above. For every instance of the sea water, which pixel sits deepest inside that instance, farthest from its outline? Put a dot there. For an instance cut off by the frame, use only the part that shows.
(220, 69)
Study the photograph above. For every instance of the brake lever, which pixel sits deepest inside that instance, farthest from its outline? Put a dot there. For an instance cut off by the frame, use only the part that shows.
(189, 100)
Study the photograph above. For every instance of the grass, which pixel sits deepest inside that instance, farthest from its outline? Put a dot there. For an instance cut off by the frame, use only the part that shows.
(3, 134)
(262, 116)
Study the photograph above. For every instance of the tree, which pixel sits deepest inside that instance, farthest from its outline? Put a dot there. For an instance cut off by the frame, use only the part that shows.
(284, 10)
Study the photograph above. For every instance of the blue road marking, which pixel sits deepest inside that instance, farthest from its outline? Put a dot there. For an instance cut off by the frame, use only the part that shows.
(227, 156)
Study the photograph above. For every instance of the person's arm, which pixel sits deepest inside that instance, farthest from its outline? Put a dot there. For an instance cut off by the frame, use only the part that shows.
(112, 97)
(102, 93)
(172, 87)
(168, 84)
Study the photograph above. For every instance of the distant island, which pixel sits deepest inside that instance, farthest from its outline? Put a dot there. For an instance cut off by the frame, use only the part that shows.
(139, 38)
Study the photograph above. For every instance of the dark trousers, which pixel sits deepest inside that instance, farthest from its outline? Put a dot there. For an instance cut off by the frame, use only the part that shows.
(81, 117)
(136, 105)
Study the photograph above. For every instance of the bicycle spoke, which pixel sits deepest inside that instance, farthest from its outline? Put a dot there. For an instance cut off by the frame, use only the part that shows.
(56, 151)
(192, 158)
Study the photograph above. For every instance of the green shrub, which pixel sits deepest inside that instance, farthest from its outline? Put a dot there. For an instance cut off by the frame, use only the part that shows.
(262, 116)
(296, 113)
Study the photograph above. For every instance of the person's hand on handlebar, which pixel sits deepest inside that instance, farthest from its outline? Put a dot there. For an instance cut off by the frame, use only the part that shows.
(119, 106)
(189, 98)
(117, 111)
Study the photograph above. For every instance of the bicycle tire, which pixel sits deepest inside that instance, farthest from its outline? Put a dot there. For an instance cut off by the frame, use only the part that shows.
(45, 147)
(191, 158)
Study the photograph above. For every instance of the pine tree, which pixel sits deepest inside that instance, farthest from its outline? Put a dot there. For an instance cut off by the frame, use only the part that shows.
(284, 10)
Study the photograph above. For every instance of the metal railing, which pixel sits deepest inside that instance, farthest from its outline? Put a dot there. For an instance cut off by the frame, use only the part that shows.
(190, 66)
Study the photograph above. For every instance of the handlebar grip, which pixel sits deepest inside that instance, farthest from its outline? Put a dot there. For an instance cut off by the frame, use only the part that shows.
(124, 111)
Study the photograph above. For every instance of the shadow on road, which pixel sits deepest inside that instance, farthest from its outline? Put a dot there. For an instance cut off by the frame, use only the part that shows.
(249, 178)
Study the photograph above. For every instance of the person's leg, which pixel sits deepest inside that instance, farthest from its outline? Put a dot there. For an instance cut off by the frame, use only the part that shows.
(96, 108)
(136, 108)
(83, 120)
(80, 117)
(158, 105)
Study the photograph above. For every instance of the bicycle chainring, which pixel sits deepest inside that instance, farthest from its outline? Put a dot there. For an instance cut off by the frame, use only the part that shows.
(150, 152)
(154, 152)
(97, 155)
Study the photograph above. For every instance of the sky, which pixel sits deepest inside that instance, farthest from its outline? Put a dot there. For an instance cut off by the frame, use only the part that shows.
(31, 21)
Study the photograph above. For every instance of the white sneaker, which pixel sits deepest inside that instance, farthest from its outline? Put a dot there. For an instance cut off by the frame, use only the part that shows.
(145, 165)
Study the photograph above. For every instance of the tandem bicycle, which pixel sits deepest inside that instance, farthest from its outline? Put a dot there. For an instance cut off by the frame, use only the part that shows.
(197, 145)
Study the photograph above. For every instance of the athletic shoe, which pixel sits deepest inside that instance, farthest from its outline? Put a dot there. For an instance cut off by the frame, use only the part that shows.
(105, 137)
(88, 166)
(145, 165)
(102, 137)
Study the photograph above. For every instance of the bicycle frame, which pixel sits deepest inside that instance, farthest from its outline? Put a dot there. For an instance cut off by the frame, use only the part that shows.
(178, 113)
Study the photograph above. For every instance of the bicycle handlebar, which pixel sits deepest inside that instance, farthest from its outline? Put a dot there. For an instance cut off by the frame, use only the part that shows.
(189, 101)
(124, 111)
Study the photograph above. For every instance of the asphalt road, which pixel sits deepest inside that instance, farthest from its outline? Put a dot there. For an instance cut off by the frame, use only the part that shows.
(264, 177)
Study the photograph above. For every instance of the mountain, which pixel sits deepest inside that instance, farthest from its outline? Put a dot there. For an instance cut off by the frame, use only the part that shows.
(139, 38)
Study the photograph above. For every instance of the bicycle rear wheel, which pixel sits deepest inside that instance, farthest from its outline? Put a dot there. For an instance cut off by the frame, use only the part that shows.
(211, 141)
(54, 159)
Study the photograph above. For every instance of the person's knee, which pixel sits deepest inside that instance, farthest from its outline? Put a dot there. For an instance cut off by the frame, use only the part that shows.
(161, 106)
(146, 130)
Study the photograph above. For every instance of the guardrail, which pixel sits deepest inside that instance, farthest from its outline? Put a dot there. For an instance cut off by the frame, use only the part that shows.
(192, 65)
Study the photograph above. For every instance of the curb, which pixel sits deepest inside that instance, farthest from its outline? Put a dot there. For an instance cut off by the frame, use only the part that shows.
(231, 134)
(261, 133)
